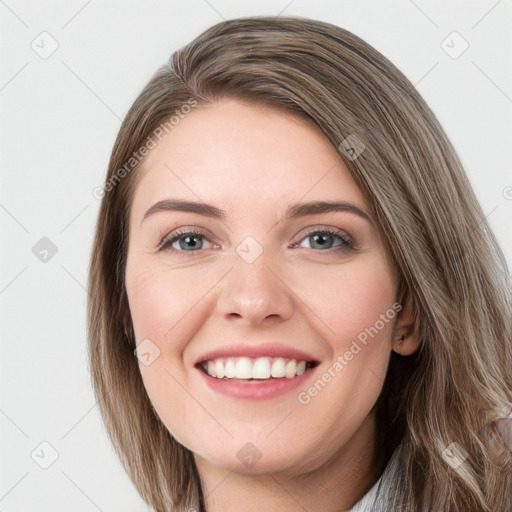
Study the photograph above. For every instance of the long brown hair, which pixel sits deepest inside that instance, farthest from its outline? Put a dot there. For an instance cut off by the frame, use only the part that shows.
(450, 267)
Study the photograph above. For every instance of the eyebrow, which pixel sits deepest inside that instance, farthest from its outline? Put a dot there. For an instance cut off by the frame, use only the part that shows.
(293, 212)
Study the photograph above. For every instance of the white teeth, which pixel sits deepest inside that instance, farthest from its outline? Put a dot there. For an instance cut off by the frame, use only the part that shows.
(243, 368)
(229, 369)
(278, 368)
(220, 372)
(291, 369)
(210, 368)
(261, 368)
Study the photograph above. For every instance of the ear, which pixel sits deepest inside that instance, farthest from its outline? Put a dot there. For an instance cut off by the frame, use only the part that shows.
(405, 334)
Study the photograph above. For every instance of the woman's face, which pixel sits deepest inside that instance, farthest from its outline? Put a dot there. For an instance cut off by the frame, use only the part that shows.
(271, 274)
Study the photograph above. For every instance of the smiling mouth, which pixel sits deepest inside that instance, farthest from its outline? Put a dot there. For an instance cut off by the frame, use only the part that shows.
(258, 369)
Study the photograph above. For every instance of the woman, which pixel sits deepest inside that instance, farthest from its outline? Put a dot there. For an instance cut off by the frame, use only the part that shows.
(319, 311)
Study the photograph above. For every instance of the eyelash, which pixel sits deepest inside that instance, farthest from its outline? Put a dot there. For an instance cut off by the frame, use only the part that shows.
(346, 242)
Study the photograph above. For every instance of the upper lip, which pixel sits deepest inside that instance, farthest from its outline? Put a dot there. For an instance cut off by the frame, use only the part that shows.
(254, 351)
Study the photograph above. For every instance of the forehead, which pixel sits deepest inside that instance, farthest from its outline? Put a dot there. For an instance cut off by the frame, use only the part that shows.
(240, 155)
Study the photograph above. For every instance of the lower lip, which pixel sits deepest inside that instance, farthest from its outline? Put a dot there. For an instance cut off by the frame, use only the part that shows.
(256, 390)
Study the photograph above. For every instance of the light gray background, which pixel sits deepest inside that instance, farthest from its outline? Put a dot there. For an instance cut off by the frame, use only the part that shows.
(60, 116)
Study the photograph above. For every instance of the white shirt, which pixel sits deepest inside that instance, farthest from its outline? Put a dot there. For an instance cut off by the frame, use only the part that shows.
(367, 500)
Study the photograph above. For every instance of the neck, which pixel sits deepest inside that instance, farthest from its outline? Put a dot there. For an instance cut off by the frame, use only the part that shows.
(335, 485)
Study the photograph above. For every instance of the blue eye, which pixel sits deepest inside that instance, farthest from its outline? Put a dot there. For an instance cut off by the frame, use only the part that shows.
(193, 241)
(187, 241)
(324, 239)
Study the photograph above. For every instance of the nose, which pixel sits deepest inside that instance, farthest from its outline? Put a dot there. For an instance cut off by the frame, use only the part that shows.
(255, 293)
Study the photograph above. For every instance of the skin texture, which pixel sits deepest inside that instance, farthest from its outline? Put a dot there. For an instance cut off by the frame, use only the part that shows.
(254, 162)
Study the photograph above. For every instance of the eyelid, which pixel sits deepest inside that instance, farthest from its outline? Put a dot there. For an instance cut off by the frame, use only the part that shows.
(175, 234)
(342, 234)
(347, 242)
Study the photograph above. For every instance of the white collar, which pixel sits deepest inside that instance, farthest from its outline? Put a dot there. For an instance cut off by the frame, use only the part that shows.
(368, 499)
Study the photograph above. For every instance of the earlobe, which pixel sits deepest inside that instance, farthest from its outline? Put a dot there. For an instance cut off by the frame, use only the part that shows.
(405, 337)
(406, 345)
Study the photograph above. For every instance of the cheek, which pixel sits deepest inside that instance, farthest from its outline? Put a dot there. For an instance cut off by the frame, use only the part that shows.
(161, 302)
(161, 299)
(358, 306)
(355, 302)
